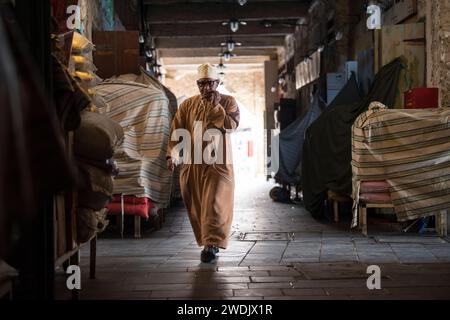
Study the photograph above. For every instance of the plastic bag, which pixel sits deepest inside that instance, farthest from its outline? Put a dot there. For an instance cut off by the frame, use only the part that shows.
(80, 44)
(81, 63)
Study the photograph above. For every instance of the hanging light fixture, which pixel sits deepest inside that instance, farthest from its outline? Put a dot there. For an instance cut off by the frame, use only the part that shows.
(230, 44)
(339, 35)
(234, 24)
(221, 77)
(221, 66)
(141, 38)
(152, 65)
(149, 52)
(227, 55)
(267, 24)
(148, 64)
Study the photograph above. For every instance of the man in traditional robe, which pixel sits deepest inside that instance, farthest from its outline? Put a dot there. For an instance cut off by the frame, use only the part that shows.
(207, 188)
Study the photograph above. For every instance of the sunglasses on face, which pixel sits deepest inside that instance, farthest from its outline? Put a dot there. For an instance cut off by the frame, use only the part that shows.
(210, 83)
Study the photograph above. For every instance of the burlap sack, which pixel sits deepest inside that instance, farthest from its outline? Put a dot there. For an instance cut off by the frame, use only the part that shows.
(97, 137)
(96, 188)
(90, 223)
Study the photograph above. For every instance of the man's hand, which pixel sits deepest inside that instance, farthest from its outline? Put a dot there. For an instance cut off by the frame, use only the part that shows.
(170, 165)
(213, 97)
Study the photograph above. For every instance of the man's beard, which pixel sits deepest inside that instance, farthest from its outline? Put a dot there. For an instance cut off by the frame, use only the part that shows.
(207, 95)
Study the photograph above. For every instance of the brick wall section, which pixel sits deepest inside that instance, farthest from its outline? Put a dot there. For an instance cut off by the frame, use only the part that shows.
(247, 87)
(183, 86)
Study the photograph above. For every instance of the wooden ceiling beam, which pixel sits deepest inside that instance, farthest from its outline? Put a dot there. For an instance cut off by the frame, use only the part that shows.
(217, 30)
(213, 42)
(213, 52)
(219, 12)
(166, 2)
(253, 61)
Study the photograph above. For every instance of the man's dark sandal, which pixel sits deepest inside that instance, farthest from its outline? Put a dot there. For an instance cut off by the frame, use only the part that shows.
(207, 256)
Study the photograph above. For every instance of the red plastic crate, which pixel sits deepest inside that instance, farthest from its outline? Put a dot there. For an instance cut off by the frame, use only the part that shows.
(422, 98)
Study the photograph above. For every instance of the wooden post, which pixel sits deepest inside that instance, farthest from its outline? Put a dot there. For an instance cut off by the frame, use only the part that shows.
(441, 223)
(336, 211)
(359, 216)
(93, 255)
(364, 220)
(137, 227)
(122, 215)
(75, 260)
(378, 48)
(447, 217)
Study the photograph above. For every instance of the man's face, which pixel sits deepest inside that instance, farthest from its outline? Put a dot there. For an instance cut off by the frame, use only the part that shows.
(206, 86)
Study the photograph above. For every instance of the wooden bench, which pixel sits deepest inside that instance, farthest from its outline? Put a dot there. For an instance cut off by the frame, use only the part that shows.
(124, 205)
(377, 195)
(362, 213)
(334, 199)
(441, 217)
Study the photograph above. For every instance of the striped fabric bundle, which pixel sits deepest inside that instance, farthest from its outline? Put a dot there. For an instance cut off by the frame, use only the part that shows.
(410, 149)
(143, 112)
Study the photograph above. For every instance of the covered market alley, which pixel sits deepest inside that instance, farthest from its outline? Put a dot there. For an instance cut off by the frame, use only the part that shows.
(340, 114)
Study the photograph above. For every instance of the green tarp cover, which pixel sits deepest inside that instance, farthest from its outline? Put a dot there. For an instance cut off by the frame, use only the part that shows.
(327, 150)
(293, 137)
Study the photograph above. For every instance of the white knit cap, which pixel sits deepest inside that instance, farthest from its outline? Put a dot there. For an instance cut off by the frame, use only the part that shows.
(207, 70)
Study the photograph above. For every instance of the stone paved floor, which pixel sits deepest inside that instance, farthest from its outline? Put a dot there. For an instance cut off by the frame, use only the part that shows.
(276, 251)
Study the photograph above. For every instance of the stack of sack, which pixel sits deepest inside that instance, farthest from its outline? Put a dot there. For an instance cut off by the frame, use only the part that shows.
(95, 143)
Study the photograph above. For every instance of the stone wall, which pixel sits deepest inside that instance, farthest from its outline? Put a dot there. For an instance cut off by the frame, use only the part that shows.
(438, 47)
(182, 85)
(248, 88)
(421, 9)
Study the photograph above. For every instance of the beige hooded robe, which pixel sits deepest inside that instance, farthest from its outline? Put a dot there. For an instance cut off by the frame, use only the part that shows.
(208, 189)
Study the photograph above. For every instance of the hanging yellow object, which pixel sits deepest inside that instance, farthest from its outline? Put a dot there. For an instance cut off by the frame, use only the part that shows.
(81, 43)
(85, 76)
(79, 59)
